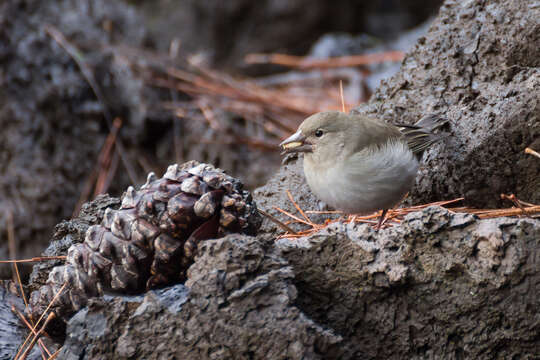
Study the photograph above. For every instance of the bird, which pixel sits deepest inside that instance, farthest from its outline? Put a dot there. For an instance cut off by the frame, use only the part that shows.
(359, 164)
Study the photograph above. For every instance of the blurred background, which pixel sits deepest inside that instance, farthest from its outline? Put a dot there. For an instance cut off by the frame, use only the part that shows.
(96, 94)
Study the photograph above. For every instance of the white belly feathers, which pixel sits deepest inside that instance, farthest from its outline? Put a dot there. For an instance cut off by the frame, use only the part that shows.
(364, 183)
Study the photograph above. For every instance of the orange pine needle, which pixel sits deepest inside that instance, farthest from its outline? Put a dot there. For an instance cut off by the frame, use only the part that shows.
(343, 109)
(396, 215)
(39, 320)
(30, 327)
(55, 355)
(35, 337)
(292, 216)
(34, 259)
(289, 195)
(306, 63)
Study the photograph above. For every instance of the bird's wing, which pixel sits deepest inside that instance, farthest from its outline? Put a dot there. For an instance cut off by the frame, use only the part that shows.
(373, 133)
(421, 135)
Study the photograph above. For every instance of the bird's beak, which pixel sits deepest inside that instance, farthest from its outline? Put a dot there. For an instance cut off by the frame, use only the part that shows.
(295, 143)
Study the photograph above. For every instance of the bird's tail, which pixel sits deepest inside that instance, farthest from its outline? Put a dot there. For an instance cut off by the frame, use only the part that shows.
(421, 135)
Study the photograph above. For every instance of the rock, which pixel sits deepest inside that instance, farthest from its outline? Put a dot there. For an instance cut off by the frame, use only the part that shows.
(439, 285)
(238, 303)
(478, 65)
(12, 331)
(433, 286)
(52, 123)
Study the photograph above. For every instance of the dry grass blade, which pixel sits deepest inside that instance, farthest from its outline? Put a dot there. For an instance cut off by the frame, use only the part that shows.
(12, 251)
(103, 163)
(323, 212)
(267, 111)
(106, 159)
(489, 214)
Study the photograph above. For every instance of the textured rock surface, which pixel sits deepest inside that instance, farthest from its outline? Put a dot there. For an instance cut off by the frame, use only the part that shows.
(478, 65)
(52, 123)
(12, 332)
(439, 285)
(240, 304)
(151, 240)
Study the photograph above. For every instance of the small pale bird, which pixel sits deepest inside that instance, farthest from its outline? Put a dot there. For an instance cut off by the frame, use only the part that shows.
(359, 164)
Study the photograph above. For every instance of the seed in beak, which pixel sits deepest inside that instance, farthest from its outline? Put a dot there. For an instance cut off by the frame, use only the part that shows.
(292, 145)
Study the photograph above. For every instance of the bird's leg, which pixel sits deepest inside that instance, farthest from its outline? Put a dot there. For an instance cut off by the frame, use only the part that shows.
(381, 219)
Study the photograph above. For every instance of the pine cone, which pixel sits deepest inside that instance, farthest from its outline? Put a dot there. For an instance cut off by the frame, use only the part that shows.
(152, 239)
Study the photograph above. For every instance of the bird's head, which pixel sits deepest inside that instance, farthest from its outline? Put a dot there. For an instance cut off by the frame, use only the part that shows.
(321, 131)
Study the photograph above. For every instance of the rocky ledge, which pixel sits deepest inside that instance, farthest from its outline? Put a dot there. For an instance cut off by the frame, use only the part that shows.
(438, 285)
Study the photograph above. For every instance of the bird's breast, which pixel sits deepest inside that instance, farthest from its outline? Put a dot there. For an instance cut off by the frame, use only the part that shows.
(363, 182)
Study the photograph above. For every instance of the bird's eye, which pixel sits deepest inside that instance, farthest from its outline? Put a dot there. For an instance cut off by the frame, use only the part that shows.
(319, 133)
